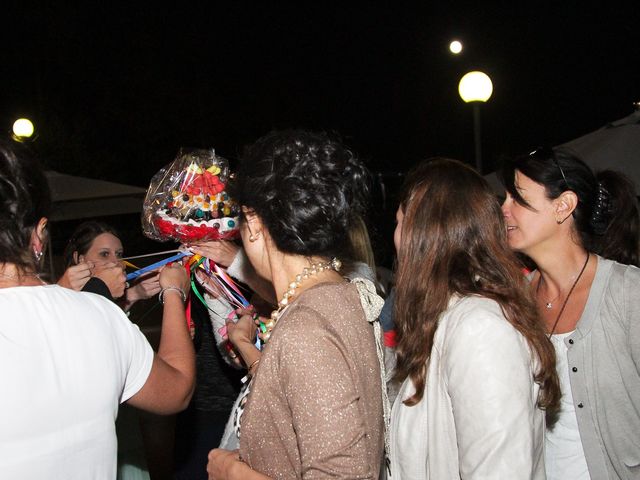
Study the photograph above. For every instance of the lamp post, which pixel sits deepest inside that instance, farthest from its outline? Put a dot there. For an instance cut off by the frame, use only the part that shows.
(476, 88)
(22, 129)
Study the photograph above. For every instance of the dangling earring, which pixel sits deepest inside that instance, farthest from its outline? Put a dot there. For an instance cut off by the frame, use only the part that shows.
(38, 255)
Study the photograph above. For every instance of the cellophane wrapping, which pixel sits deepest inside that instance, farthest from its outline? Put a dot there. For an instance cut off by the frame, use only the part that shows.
(187, 200)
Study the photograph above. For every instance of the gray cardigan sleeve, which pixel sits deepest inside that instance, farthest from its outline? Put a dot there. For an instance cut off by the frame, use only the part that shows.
(632, 312)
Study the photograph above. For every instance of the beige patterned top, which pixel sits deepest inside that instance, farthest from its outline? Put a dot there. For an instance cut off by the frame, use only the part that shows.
(315, 408)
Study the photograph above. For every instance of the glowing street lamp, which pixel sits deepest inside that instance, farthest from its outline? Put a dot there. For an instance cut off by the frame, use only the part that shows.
(22, 129)
(476, 88)
(455, 47)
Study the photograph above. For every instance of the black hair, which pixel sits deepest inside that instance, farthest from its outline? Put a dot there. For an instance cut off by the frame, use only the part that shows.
(24, 200)
(306, 187)
(606, 217)
(82, 238)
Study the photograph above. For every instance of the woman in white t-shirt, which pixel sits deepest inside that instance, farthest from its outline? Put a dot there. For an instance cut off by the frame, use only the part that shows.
(68, 359)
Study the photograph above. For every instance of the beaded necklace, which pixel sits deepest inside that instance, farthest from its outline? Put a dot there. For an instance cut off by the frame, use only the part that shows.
(307, 272)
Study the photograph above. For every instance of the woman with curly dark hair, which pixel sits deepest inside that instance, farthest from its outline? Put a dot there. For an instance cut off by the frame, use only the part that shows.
(476, 366)
(314, 405)
(581, 231)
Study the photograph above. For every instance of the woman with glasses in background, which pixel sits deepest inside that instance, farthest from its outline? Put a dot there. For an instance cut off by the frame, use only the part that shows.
(581, 230)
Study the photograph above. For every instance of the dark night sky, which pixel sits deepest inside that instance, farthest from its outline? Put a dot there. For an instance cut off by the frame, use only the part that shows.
(115, 92)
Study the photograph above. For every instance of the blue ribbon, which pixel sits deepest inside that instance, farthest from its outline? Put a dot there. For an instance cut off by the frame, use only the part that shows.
(155, 266)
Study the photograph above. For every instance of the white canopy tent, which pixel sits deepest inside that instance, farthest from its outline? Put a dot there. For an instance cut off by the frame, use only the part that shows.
(76, 198)
(79, 197)
(616, 146)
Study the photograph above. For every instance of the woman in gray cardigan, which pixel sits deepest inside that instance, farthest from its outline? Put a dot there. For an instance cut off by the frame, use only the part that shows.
(581, 230)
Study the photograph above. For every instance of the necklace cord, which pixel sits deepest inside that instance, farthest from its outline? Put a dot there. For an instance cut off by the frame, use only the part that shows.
(564, 304)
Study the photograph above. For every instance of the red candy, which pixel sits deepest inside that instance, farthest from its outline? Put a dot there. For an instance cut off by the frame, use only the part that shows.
(187, 233)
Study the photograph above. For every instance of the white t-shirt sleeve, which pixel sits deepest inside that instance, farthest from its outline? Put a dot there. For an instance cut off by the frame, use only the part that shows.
(136, 355)
(140, 366)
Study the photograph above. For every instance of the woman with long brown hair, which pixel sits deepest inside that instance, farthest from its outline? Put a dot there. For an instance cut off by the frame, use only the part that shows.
(477, 369)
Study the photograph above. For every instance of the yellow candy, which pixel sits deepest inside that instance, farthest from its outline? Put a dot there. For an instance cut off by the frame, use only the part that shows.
(214, 169)
(175, 193)
(227, 210)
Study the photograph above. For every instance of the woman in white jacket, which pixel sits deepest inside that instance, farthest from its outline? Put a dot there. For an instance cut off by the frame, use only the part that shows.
(476, 368)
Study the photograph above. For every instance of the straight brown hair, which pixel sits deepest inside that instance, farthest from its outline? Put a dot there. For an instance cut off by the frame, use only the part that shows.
(454, 242)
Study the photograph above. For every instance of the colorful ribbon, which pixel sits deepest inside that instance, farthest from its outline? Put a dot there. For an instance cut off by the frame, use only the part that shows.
(157, 265)
(224, 284)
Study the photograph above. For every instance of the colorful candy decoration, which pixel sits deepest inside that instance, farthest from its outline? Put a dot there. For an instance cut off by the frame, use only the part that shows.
(187, 200)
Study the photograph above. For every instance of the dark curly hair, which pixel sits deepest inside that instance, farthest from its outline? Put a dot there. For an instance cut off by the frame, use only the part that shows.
(24, 200)
(306, 187)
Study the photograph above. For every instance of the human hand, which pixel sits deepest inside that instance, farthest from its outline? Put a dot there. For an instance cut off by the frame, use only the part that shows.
(220, 251)
(243, 330)
(146, 286)
(76, 276)
(221, 462)
(174, 275)
(206, 281)
(112, 274)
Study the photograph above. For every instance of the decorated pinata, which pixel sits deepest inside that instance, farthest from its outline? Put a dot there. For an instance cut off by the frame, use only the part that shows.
(187, 200)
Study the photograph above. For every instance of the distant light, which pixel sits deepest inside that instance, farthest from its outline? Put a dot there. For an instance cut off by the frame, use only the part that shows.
(22, 128)
(475, 87)
(455, 47)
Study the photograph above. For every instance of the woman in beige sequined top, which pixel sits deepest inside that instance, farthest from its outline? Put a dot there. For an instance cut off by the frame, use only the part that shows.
(314, 405)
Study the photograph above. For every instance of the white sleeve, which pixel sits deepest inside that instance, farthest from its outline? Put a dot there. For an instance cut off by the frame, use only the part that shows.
(242, 270)
(219, 310)
(487, 367)
(136, 355)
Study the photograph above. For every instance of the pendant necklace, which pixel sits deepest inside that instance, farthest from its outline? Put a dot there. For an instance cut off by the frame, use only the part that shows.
(564, 304)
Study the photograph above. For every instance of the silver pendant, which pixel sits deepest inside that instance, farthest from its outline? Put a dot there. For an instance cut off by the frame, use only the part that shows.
(549, 305)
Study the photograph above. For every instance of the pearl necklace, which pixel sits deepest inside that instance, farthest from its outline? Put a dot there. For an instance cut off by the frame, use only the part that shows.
(307, 272)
